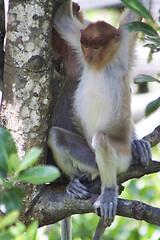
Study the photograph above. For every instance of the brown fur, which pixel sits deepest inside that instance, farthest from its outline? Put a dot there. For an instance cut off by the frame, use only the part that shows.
(99, 33)
(100, 41)
(61, 48)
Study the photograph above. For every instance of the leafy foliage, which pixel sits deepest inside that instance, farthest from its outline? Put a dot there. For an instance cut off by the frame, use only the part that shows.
(141, 27)
(137, 7)
(145, 78)
(152, 38)
(12, 170)
(152, 106)
(39, 175)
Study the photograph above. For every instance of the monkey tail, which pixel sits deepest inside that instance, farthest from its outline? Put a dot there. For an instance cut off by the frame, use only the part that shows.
(99, 230)
(66, 228)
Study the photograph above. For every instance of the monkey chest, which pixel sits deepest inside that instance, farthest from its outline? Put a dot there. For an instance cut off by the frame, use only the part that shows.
(94, 106)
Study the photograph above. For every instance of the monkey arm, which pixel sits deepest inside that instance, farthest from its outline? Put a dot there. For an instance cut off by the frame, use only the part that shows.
(129, 16)
(68, 26)
(128, 38)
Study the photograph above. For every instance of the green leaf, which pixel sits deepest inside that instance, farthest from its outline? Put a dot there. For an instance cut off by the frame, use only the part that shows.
(12, 199)
(2, 174)
(39, 175)
(14, 161)
(150, 56)
(29, 159)
(32, 230)
(6, 235)
(145, 78)
(17, 229)
(137, 7)
(154, 39)
(141, 27)
(152, 106)
(7, 148)
(10, 219)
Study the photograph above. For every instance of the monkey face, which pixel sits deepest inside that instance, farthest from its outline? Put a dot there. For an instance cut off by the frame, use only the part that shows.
(99, 42)
(92, 54)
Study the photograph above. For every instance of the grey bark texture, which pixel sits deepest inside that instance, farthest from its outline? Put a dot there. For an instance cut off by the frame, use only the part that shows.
(2, 35)
(31, 86)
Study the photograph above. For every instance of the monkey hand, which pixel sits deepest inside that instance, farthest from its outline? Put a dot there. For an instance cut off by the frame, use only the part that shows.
(106, 205)
(141, 152)
(76, 187)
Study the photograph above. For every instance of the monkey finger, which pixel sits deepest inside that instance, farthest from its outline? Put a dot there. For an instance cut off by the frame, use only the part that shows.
(138, 152)
(144, 149)
(135, 153)
(148, 152)
(145, 160)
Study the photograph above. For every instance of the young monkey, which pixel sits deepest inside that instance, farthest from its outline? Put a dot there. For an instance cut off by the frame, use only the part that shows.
(101, 107)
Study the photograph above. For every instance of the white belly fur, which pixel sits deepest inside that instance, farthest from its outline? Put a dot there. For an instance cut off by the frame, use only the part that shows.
(95, 97)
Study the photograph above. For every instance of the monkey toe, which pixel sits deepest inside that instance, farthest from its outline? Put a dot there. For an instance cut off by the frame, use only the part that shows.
(77, 189)
(106, 205)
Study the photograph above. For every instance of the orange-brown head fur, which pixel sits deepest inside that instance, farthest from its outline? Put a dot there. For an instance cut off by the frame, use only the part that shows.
(99, 41)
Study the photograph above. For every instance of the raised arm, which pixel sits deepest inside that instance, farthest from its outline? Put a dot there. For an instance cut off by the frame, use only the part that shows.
(128, 38)
(68, 26)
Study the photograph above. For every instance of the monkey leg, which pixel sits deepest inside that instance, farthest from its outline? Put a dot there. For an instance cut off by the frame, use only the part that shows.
(106, 158)
(141, 152)
(74, 157)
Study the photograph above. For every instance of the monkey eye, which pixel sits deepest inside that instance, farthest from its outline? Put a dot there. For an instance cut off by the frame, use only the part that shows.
(116, 35)
(86, 46)
(96, 47)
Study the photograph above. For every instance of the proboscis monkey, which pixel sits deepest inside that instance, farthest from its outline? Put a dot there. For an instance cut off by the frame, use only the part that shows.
(100, 138)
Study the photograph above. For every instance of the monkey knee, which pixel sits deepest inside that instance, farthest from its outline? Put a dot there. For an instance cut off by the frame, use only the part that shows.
(55, 136)
(99, 140)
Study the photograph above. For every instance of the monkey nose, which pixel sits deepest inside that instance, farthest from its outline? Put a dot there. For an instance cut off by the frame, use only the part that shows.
(88, 58)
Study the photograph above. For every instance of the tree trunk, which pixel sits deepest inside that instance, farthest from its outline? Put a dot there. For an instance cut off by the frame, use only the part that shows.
(2, 35)
(31, 85)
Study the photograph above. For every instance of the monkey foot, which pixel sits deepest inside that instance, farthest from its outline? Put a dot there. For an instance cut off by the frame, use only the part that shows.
(77, 189)
(141, 152)
(106, 205)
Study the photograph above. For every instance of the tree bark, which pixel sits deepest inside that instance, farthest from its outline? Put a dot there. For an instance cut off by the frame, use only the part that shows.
(2, 35)
(50, 207)
(31, 85)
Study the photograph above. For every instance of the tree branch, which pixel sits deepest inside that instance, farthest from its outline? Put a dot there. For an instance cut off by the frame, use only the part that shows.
(50, 207)
(154, 137)
(55, 207)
